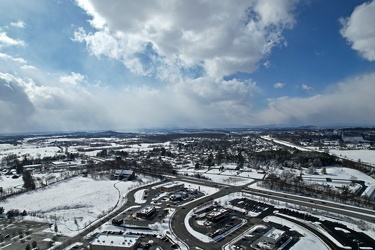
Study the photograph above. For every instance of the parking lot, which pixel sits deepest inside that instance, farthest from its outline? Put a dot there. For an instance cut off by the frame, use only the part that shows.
(253, 208)
(17, 234)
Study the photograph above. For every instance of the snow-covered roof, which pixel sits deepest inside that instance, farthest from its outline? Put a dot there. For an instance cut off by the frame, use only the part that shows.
(59, 163)
(146, 209)
(274, 234)
(115, 240)
(123, 172)
(216, 213)
(172, 184)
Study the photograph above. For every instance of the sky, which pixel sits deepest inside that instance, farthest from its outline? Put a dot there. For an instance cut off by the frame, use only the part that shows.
(73, 65)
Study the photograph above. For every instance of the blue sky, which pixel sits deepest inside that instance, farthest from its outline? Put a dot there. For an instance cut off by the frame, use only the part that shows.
(93, 65)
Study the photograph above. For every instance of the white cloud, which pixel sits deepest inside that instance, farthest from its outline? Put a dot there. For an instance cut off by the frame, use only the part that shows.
(13, 59)
(359, 30)
(217, 101)
(348, 102)
(72, 79)
(222, 37)
(267, 64)
(306, 87)
(28, 67)
(6, 40)
(18, 24)
(279, 85)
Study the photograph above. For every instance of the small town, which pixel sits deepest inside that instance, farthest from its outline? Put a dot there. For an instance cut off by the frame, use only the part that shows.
(235, 189)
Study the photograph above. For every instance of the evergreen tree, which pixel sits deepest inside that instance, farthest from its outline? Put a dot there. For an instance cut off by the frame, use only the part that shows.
(28, 180)
(34, 244)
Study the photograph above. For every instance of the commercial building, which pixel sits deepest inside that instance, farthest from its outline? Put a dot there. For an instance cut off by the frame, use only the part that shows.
(217, 215)
(123, 174)
(146, 212)
(114, 241)
(174, 186)
(273, 236)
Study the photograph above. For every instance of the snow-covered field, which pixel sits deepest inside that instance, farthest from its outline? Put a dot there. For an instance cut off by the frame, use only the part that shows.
(35, 151)
(229, 180)
(75, 202)
(367, 156)
(7, 181)
(288, 144)
(229, 176)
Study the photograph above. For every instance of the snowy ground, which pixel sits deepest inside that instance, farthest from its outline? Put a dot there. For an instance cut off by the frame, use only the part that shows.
(75, 202)
(367, 156)
(7, 181)
(229, 180)
(268, 138)
(191, 185)
(35, 151)
(229, 176)
(138, 196)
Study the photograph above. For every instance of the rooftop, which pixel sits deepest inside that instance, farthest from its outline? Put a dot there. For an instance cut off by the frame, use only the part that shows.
(173, 184)
(115, 240)
(146, 209)
(274, 234)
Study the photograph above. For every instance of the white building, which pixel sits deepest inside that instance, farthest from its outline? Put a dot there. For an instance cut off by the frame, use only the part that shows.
(273, 236)
(107, 241)
(173, 186)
